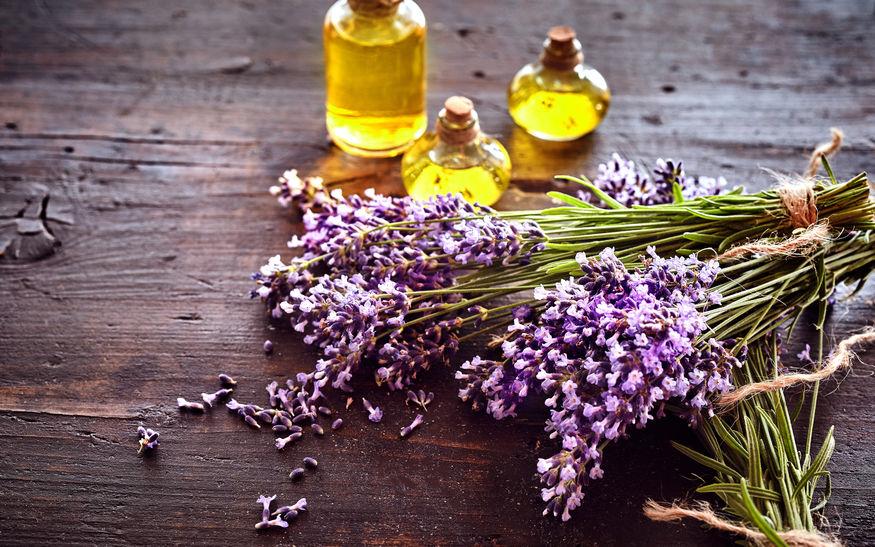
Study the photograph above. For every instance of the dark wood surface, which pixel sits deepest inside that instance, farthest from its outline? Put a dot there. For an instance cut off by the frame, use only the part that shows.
(137, 141)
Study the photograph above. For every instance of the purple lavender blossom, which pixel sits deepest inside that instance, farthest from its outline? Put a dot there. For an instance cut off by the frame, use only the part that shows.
(608, 351)
(407, 430)
(281, 442)
(805, 354)
(289, 512)
(189, 405)
(210, 399)
(306, 193)
(265, 522)
(226, 380)
(148, 439)
(420, 398)
(375, 413)
(625, 182)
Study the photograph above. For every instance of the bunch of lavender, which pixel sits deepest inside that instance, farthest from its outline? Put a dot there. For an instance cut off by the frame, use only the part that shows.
(428, 269)
(609, 350)
(627, 184)
(348, 291)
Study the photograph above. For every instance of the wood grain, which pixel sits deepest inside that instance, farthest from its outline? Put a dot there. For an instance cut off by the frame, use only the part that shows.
(136, 144)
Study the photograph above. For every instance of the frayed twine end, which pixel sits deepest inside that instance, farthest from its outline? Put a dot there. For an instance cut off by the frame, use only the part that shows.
(702, 512)
(840, 359)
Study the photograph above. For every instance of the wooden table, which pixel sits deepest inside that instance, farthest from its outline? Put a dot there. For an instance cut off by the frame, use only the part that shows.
(137, 142)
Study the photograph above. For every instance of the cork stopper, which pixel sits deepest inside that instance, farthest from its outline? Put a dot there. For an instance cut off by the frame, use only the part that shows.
(374, 7)
(562, 50)
(457, 121)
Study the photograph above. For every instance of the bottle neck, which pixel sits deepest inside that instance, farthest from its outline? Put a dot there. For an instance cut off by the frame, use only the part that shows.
(457, 135)
(375, 8)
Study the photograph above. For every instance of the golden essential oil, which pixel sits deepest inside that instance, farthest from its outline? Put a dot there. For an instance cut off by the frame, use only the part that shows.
(457, 158)
(375, 75)
(559, 98)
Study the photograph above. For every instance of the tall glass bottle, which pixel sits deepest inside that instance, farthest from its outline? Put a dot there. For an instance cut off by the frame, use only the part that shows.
(375, 75)
(457, 158)
(558, 98)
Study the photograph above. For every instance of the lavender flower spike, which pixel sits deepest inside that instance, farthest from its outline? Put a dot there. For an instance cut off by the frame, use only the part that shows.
(148, 439)
(188, 405)
(375, 413)
(210, 399)
(413, 425)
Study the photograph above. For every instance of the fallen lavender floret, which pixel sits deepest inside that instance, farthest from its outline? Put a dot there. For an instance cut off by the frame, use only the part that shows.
(289, 512)
(805, 354)
(267, 347)
(297, 473)
(265, 502)
(407, 430)
(210, 399)
(420, 399)
(277, 522)
(375, 413)
(281, 442)
(317, 429)
(226, 380)
(324, 410)
(189, 405)
(251, 421)
(311, 462)
(148, 439)
(336, 424)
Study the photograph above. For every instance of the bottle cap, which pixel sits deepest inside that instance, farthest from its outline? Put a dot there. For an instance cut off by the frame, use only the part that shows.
(562, 50)
(457, 121)
(374, 7)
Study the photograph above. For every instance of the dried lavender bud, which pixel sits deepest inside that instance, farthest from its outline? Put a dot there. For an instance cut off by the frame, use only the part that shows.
(251, 421)
(297, 473)
(324, 410)
(211, 399)
(279, 428)
(272, 393)
(264, 416)
(310, 462)
(375, 413)
(317, 429)
(289, 512)
(420, 399)
(301, 418)
(265, 502)
(188, 405)
(268, 347)
(226, 380)
(276, 522)
(413, 425)
(295, 428)
(233, 405)
(348, 402)
(281, 442)
(336, 424)
(148, 439)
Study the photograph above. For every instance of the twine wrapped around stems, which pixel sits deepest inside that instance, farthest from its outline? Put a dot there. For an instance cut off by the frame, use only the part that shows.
(702, 512)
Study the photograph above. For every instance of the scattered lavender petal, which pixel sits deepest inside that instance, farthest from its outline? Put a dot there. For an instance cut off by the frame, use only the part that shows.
(265, 502)
(348, 402)
(148, 439)
(805, 354)
(276, 522)
(226, 380)
(210, 399)
(375, 413)
(413, 425)
(281, 442)
(251, 421)
(188, 405)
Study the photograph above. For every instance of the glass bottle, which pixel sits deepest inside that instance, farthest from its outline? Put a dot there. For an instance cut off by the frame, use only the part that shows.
(558, 98)
(457, 158)
(375, 75)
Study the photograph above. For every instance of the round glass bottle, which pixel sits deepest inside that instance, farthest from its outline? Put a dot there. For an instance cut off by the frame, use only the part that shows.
(457, 158)
(558, 98)
(375, 75)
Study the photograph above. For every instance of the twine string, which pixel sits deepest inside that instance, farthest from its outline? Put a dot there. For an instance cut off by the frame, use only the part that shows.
(702, 512)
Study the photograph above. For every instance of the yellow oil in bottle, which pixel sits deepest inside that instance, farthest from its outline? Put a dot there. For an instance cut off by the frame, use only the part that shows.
(559, 98)
(375, 76)
(457, 158)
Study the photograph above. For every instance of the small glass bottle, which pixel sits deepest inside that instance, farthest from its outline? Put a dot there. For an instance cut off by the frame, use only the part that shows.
(559, 98)
(375, 75)
(457, 158)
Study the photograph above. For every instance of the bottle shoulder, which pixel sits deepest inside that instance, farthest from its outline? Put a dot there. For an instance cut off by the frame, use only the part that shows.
(484, 150)
(535, 76)
(342, 20)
